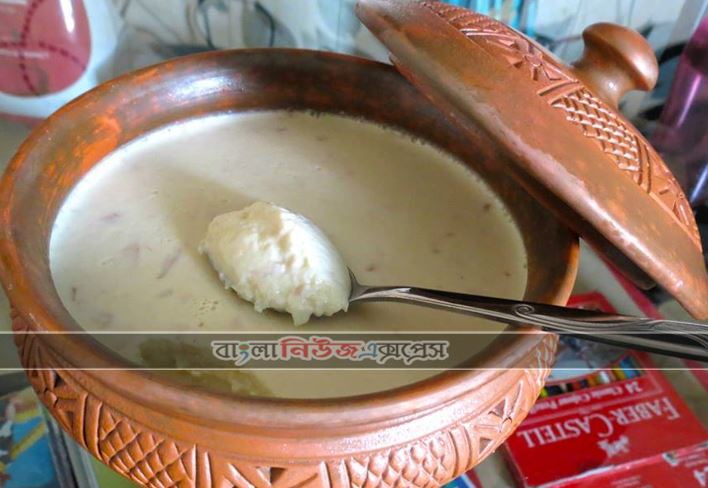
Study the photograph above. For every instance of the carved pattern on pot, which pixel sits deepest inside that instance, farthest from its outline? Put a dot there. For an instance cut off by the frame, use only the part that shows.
(153, 459)
(623, 145)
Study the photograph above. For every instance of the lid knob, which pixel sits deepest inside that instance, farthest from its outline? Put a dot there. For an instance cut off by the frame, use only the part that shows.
(616, 60)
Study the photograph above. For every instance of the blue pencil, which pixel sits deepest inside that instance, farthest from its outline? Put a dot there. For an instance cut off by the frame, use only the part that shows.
(515, 14)
(531, 18)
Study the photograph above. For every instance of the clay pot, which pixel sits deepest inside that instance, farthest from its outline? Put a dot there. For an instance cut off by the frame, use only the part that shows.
(161, 433)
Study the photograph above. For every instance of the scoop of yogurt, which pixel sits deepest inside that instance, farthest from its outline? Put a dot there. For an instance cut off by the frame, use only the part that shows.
(277, 259)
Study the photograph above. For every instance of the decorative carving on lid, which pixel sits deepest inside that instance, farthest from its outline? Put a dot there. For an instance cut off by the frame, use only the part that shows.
(622, 144)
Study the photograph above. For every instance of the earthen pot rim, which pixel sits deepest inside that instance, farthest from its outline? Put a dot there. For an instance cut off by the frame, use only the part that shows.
(208, 406)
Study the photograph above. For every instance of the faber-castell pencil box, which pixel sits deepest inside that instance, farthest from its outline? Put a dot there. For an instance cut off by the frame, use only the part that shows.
(607, 417)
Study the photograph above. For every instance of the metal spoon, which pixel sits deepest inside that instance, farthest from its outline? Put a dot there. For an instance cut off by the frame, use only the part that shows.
(671, 337)
(683, 339)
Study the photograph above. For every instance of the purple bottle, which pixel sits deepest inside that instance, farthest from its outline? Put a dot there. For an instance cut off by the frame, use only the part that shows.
(682, 136)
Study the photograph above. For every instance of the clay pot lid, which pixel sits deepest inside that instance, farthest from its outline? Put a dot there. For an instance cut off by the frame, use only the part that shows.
(568, 144)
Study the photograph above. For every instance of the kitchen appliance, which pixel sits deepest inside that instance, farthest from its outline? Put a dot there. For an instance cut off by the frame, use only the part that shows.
(52, 51)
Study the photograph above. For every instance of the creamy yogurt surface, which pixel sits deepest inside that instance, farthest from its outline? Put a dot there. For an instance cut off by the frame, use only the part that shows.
(124, 251)
(277, 259)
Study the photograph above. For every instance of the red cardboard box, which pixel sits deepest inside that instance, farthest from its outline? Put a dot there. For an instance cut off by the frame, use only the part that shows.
(621, 426)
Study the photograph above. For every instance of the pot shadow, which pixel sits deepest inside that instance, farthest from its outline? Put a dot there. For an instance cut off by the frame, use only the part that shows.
(189, 202)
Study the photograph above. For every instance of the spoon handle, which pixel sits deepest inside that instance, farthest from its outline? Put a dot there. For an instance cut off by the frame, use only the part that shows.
(670, 337)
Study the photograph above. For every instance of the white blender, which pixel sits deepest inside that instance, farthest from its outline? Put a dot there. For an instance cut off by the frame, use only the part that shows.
(52, 51)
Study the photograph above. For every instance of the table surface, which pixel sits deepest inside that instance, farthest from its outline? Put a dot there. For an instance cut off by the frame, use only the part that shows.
(11, 135)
